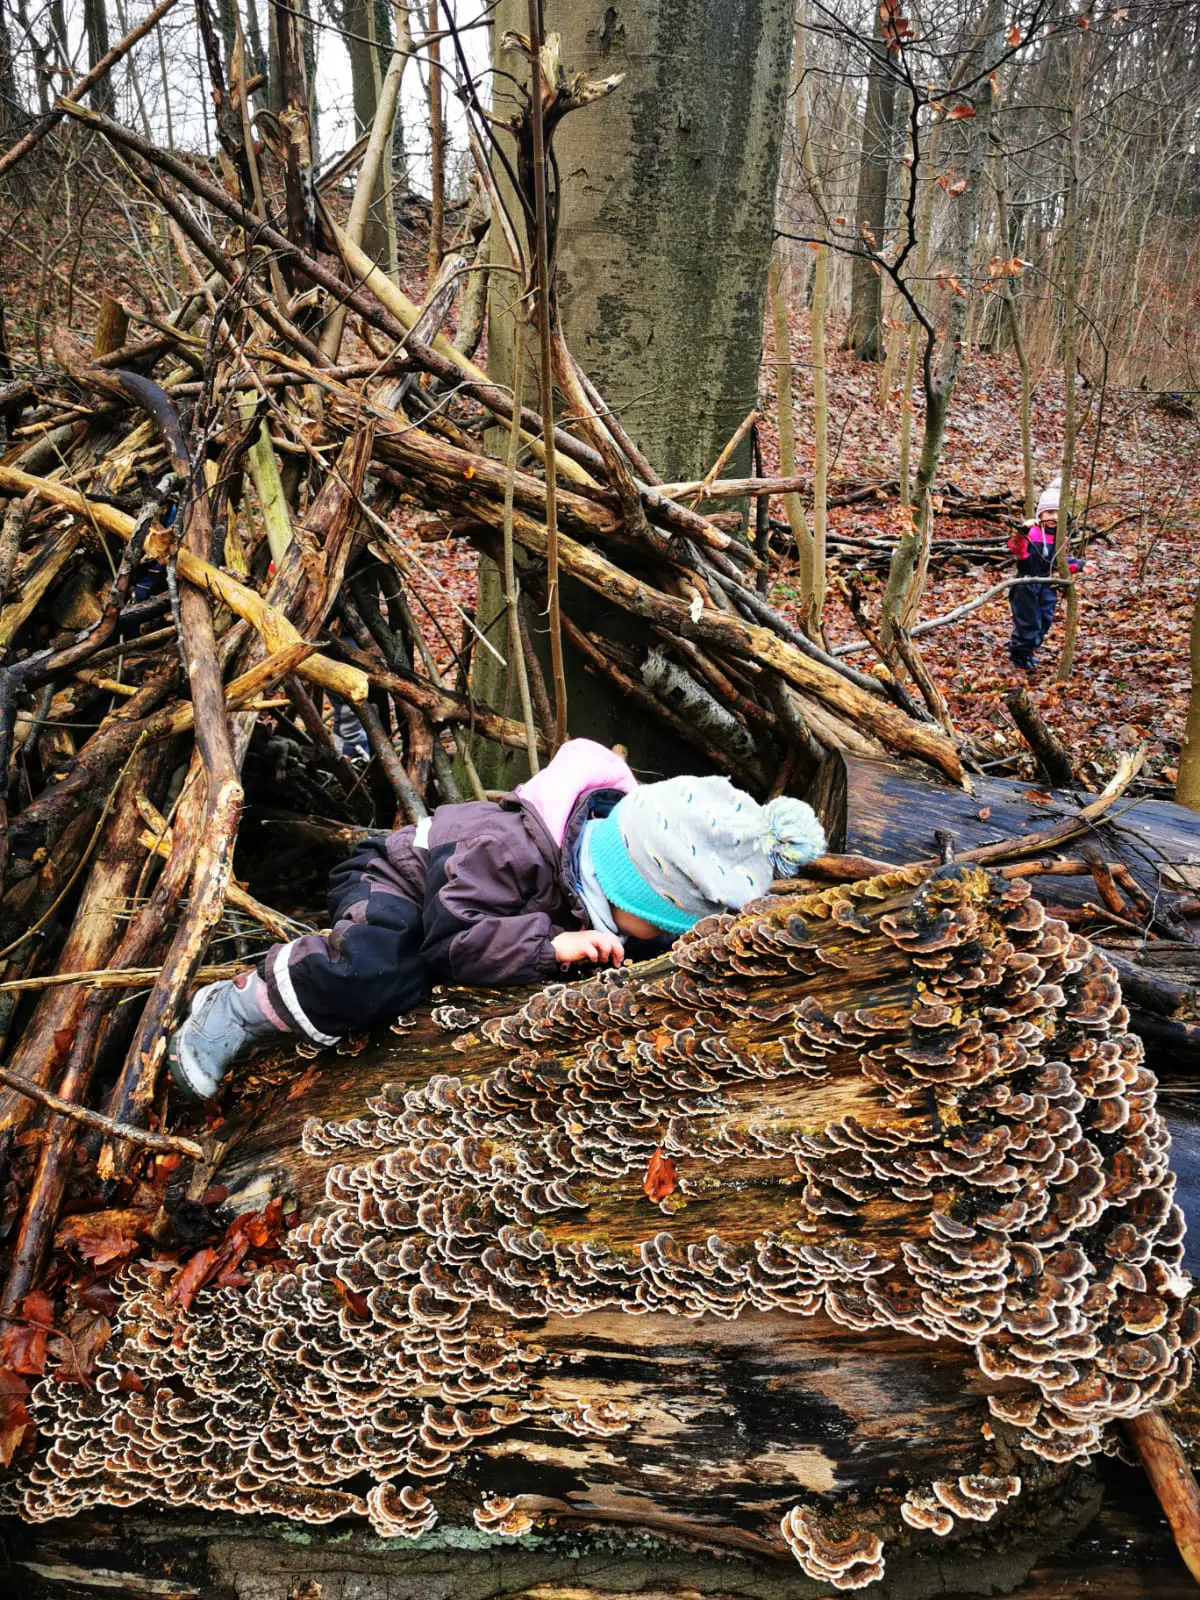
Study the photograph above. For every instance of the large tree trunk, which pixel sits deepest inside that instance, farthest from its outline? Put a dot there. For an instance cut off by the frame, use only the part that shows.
(664, 240)
(769, 1245)
(864, 328)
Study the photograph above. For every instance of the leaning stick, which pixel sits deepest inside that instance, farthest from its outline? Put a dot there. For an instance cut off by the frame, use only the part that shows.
(162, 1142)
(1172, 1480)
(105, 65)
(115, 978)
(276, 631)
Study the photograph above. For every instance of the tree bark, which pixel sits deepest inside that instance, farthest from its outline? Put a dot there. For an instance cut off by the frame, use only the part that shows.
(95, 23)
(652, 176)
(864, 328)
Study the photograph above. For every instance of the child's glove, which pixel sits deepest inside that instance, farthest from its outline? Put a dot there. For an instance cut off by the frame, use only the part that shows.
(1074, 566)
(1018, 544)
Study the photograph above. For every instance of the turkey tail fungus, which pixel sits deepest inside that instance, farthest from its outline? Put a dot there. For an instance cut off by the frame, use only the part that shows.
(921, 1205)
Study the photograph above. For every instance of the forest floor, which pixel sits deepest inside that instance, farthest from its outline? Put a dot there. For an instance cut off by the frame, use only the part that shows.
(1131, 673)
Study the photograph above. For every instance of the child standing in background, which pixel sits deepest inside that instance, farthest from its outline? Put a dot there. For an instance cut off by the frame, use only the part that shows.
(1033, 604)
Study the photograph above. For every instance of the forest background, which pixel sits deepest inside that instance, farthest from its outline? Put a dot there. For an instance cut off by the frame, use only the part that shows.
(940, 266)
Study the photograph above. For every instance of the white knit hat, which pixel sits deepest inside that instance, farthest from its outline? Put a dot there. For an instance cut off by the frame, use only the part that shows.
(675, 851)
(1050, 497)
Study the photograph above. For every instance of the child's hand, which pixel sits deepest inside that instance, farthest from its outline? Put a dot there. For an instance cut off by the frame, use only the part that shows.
(589, 944)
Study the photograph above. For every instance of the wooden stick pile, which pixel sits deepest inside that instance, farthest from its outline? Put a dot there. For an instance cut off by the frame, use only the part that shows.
(200, 573)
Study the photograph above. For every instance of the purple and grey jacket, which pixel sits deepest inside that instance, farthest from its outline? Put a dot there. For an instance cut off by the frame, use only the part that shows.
(473, 895)
(497, 880)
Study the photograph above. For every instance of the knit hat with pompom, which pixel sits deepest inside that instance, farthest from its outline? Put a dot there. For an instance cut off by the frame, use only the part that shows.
(677, 851)
(1050, 496)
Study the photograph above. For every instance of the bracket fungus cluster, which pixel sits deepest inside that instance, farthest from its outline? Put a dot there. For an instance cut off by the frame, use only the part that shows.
(904, 1105)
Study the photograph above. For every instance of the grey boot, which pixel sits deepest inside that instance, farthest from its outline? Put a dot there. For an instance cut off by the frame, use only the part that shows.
(223, 1021)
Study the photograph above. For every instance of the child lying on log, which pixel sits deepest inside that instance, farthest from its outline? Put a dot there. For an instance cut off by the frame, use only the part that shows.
(580, 864)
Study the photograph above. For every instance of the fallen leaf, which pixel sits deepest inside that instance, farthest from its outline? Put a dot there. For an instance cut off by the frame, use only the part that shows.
(304, 1083)
(76, 1347)
(100, 1296)
(15, 1421)
(984, 813)
(1041, 797)
(262, 1228)
(232, 1256)
(23, 1344)
(104, 1236)
(660, 1176)
(192, 1277)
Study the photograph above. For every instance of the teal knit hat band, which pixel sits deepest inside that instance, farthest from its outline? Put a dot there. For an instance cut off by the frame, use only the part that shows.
(623, 884)
(685, 848)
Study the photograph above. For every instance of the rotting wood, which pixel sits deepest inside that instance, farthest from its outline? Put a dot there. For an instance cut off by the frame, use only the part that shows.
(784, 1033)
(624, 535)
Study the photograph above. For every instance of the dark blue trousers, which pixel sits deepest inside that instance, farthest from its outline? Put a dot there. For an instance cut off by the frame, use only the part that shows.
(367, 969)
(1032, 613)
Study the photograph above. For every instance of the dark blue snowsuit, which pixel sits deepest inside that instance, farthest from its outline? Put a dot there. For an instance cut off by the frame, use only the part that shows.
(1033, 604)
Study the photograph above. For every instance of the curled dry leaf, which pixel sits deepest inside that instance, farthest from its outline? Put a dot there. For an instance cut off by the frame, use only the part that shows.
(660, 1176)
(262, 1228)
(192, 1277)
(960, 113)
(15, 1421)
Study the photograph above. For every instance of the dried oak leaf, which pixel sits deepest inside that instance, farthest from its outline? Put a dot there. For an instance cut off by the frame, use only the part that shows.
(76, 1347)
(660, 1176)
(104, 1236)
(15, 1421)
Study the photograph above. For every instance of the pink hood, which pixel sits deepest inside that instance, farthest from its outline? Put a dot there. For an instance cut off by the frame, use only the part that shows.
(580, 766)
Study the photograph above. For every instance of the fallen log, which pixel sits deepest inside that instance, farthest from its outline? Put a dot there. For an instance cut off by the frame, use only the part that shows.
(769, 1245)
(893, 813)
(1142, 856)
